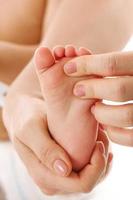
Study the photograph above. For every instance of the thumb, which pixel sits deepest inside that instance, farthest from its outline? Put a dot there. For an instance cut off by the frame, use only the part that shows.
(35, 136)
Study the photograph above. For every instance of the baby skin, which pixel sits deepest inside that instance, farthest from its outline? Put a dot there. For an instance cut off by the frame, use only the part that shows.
(70, 120)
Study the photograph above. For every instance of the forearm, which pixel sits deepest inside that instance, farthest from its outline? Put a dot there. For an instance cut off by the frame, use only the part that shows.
(13, 58)
(72, 18)
(101, 26)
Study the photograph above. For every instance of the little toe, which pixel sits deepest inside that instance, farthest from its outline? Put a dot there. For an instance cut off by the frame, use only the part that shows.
(43, 58)
(70, 51)
(59, 52)
(83, 51)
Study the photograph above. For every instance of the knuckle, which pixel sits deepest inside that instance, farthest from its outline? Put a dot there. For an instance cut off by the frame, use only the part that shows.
(21, 130)
(101, 164)
(85, 63)
(49, 192)
(42, 185)
(85, 187)
(92, 90)
(129, 117)
(131, 139)
(39, 181)
(121, 91)
(46, 154)
(111, 64)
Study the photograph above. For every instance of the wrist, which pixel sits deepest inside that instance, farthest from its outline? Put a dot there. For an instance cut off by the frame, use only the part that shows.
(20, 108)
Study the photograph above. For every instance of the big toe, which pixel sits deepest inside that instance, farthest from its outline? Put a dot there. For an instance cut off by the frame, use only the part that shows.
(43, 58)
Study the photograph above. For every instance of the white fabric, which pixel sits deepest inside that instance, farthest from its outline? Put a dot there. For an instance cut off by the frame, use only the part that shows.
(3, 91)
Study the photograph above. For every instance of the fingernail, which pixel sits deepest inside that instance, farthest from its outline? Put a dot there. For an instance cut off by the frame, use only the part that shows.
(70, 68)
(101, 148)
(60, 168)
(79, 91)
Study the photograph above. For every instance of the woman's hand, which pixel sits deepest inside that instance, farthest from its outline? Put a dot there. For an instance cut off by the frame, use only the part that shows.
(47, 163)
(118, 87)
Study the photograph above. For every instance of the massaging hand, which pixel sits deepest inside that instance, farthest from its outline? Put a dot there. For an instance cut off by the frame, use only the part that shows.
(118, 88)
(47, 163)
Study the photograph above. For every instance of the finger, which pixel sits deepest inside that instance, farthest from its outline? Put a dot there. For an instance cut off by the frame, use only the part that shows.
(90, 175)
(113, 89)
(119, 116)
(42, 176)
(109, 64)
(109, 164)
(50, 154)
(74, 183)
(59, 52)
(107, 169)
(70, 51)
(104, 139)
(35, 168)
(120, 136)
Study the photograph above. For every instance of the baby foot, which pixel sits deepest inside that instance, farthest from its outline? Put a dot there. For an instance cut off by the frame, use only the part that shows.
(70, 120)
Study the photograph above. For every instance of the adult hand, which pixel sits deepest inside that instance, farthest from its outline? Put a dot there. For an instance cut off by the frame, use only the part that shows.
(114, 82)
(43, 157)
